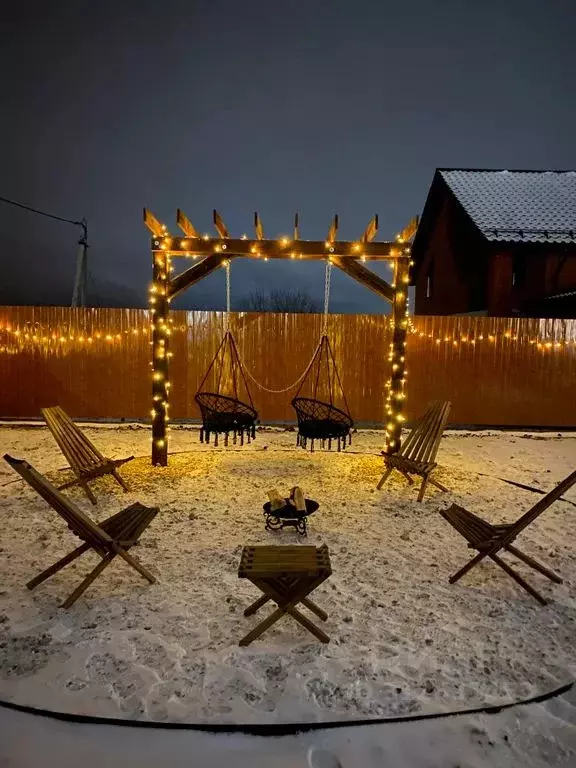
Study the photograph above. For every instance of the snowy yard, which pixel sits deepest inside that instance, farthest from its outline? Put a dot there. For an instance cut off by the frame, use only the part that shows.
(402, 639)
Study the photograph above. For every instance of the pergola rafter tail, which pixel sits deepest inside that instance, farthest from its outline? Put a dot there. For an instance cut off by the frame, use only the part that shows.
(214, 253)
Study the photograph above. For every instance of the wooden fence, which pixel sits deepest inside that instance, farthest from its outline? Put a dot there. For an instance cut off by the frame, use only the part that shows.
(96, 363)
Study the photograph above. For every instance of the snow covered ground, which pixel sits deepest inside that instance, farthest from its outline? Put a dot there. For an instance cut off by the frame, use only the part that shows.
(534, 736)
(403, 640)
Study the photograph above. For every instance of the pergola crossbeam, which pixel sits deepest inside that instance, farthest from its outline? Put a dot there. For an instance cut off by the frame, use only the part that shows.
(365, 277)
(285, 248)
(194, 274)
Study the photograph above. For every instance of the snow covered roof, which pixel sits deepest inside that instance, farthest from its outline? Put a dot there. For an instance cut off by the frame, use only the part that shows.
(518, 206)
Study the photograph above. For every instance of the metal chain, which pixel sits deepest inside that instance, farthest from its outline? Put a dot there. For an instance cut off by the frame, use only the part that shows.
(227, 316)
(278, 391)
(327, 276)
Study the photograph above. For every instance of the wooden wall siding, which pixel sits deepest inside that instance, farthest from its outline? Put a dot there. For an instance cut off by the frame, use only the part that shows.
(524, 375)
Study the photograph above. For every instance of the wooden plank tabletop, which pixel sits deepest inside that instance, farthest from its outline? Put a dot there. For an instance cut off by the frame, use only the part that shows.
(274, 560)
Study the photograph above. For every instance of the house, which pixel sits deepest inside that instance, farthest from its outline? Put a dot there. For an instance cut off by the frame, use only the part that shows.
(497, 243)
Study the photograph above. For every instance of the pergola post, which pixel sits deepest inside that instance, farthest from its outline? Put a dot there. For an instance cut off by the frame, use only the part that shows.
(160, 353)
(397, 355)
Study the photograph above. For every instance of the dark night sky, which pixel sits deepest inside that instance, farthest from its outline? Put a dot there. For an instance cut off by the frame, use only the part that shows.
(321, 107)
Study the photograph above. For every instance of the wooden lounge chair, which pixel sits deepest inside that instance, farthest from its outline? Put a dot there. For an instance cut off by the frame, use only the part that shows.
(417, 455)
(489, 539)
(115, 536)
(84, 458)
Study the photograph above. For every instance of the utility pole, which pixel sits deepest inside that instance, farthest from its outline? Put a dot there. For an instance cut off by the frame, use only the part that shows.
(80, 291)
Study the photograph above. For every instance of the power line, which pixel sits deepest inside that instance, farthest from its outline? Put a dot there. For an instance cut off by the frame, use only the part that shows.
(80, 291)
(42, 213)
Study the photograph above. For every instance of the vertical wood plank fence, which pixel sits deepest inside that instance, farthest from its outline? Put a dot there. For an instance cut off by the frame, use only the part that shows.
(96, 363)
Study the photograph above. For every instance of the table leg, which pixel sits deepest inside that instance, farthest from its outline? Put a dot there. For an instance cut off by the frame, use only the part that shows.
(309, 625)
(314, 608)
(262, 627)
(256, 605)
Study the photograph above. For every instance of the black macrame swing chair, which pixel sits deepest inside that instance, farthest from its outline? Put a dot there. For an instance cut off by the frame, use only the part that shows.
(226, 413)
(318, 417)
(223, 412)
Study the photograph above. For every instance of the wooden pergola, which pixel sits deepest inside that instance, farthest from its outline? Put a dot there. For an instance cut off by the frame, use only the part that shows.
(215, 252)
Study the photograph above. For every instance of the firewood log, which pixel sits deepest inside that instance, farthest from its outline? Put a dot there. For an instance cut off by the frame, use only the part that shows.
(276, 501)
(297, 498)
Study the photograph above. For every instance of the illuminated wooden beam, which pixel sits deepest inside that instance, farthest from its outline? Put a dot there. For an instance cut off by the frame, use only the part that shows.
(258, 227)
(365, 277)
(194, 274)
(409, 230)
(153, 224)
(278, 249)
(186, 225)
(296, 235)
(219, 224)
(333, 231)
(371, 229)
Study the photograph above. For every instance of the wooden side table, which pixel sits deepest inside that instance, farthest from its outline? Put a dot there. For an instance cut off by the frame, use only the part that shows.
(286, 575)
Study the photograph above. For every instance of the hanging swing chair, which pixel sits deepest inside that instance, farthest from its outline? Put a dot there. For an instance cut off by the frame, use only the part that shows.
(223, 412)
(226, 413)
(320, 419)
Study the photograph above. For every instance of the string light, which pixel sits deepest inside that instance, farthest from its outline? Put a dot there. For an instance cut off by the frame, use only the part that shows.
(35, 335)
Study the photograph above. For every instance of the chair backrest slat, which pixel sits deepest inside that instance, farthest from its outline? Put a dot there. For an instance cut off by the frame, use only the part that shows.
(424, 439)
(80, 452)
(77, 521)
(431, 446)
(540, 507)
(417, 434)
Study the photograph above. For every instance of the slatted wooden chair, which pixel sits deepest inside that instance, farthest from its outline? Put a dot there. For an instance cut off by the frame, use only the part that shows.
(417, 455)
(113, 537)
(84, 458)
(489, 539)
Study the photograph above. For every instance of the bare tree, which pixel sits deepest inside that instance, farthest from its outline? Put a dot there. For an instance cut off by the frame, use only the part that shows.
(280, 301)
